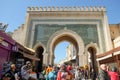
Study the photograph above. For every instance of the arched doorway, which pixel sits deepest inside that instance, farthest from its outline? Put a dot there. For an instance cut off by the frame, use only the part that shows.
(68, 39)
(92, 58)
(60, 50)
(65, 52)
(65, 35)
(39, 53)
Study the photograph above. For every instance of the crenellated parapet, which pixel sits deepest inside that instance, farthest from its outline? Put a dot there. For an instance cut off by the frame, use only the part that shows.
(82, 8)
(21, 27)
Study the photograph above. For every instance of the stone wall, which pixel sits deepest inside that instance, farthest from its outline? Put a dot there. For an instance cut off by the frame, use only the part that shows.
(19, 34)
(114, 30)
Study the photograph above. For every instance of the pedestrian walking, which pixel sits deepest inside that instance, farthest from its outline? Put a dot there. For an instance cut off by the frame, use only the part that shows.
(53, 74)
(103, 75)
(113, 74)
(25, 70)
(78, 74)
(11, 73)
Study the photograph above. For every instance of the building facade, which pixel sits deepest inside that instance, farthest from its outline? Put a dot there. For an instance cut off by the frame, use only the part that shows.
(85, 27)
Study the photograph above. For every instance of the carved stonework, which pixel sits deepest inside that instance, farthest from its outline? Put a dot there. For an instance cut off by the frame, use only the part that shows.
(66, 8)
(66, 14)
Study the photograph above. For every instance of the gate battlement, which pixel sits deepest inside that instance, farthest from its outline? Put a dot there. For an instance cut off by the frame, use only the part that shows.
(82, 8)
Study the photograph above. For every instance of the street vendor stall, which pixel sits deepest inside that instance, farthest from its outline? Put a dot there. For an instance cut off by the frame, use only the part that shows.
(111, 56)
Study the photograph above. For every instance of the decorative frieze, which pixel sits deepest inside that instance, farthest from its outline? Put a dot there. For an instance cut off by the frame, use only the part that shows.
(45, 14)
(82, 8)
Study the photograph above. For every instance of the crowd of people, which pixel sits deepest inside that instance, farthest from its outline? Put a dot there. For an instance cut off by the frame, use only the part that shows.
(63, 72)
(108, 73)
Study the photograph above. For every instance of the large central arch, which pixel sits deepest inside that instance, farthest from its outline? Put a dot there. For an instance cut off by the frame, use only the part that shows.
(63, 35)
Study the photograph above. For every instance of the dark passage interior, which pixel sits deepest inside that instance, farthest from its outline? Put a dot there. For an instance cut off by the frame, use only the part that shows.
(39, 52)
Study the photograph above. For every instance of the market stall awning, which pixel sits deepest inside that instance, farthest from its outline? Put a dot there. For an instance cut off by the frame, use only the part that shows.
(108, 52)
(31, 57)
(109, 56)
(25, 49)
(30, 49)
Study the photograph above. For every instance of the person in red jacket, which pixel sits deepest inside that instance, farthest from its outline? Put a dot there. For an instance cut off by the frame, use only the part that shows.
(69, 70)
(64, 73)
(113, 74)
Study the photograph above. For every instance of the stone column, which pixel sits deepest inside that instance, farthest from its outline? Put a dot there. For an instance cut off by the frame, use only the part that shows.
(85, 61)
(108, 42)
(82, 60)
(45, 59)
(51, 59)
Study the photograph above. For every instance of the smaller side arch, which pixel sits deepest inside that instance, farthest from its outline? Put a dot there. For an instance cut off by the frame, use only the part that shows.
(38, 45)
(92, 45)
(91, 50)
(39, 50)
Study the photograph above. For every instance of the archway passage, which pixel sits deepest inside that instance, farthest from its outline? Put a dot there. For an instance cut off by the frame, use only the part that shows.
(65, 52)
(60, 51)
(70, 40)
(65, 35)
(39, 54)
(93, 61)
(65, 38)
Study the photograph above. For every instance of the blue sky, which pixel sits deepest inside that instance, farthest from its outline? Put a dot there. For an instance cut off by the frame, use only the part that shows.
(13, 12)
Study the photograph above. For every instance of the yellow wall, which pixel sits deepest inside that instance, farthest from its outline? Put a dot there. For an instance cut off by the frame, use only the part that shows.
(114, 30)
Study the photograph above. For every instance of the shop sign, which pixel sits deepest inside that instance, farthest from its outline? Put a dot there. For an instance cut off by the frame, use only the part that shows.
(15, 48)
(4, 43)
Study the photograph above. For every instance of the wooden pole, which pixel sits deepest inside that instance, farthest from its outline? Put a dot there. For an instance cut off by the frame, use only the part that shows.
(118, 63)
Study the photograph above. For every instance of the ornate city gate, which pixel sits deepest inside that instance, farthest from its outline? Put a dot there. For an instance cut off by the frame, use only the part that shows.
(85, 27)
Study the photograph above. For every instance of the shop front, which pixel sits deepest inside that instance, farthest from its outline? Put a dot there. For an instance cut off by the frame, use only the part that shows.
(13, 52)
(25, 54)
(111, 57)
(6, 44)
